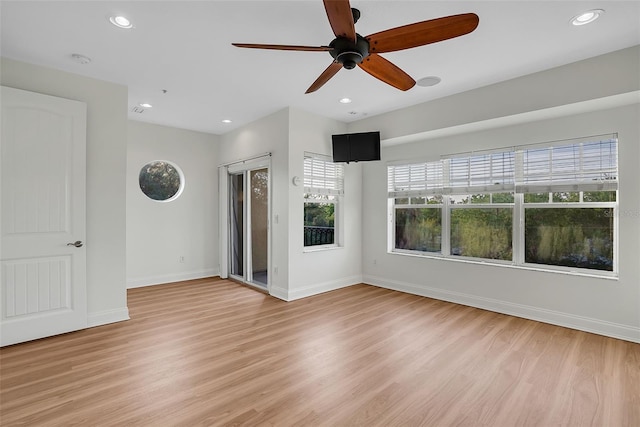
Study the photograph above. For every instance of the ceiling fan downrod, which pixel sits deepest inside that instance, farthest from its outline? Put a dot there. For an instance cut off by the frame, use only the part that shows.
(356, 14)
(348, 53)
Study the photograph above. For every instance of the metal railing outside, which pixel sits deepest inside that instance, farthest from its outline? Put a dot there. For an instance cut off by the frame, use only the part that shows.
(314, 236)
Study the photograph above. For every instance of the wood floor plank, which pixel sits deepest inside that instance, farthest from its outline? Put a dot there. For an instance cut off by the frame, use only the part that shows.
(213, 352)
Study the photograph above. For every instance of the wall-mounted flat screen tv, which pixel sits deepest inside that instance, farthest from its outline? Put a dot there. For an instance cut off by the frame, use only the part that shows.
(356, 147)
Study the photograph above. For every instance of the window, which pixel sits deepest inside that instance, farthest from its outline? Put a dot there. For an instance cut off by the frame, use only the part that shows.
(480, 205)
(416, 192)
(574, 237)
(569, 203)
(551, 205)
(161, 180)
(323, 189)
(482, 226)
(418, 223)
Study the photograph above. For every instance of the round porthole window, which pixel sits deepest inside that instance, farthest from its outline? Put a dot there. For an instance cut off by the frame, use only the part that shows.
(161, 180)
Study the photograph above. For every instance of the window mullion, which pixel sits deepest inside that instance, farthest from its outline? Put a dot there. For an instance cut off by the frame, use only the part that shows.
(391, 233)
(616, 235)
(518, 229)
(446, 227)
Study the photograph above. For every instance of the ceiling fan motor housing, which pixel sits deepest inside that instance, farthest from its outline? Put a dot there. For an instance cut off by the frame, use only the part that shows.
(348, 53)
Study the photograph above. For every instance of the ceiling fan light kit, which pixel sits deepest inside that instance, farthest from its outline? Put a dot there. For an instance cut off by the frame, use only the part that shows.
(349, 49)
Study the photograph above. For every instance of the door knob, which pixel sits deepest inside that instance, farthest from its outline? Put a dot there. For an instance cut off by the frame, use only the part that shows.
(77, 244)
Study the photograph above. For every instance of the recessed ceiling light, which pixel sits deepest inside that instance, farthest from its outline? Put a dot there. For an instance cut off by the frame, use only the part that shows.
(226, 121)
(429, 81)
(345, 101)
(587, 17)
(145, 105)
(80, 59)
(120, 21)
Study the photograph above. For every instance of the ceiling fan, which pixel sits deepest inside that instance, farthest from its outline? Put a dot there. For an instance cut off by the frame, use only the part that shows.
(349, 48)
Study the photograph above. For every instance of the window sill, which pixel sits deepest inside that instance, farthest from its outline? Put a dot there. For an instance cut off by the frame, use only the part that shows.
(320, 248)
(508, 264)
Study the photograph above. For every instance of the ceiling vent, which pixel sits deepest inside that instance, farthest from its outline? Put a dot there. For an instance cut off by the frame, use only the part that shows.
(137, 109)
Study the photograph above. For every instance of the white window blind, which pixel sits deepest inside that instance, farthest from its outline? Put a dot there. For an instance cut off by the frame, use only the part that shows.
(481, 173)
(586, 165)
(418, 179)
(322, 176)
(582, 166)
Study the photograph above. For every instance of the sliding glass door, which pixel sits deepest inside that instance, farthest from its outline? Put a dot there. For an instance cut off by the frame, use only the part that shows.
(249, 224)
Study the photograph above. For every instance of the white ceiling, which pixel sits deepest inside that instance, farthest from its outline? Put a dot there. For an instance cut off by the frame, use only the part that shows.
(185, 48)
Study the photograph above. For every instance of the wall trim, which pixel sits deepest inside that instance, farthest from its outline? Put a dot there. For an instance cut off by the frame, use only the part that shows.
(105, 317)
(586, 324)
(315, 289)
(170, 278)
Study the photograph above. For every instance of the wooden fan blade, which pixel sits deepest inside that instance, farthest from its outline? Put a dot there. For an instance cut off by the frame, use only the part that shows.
(422, 33)
(325, 76)
(386, 71)
(341, 18)
(284, 47)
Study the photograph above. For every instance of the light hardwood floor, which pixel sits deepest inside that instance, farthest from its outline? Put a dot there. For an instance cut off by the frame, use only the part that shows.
(212, 352)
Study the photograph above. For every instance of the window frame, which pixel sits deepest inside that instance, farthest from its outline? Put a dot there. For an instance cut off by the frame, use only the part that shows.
(568, 205)
(451, 207)
(395, 207)
(336, 213)
(333, 195)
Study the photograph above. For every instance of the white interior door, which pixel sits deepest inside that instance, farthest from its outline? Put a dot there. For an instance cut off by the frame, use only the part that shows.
(42, 223)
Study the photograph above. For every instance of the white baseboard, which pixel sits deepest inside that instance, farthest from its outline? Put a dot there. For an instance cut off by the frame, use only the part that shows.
(280, 293)
(600, 327)
(315, 289)
(107, 316)
(170, 278)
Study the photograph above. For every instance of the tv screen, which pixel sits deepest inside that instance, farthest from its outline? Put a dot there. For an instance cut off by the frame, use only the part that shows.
(356, 147)
(341, 148)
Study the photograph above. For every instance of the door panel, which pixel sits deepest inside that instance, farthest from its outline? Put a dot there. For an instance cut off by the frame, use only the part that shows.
(43, 156)
(259, 225)
(237, 224)
(37, 285)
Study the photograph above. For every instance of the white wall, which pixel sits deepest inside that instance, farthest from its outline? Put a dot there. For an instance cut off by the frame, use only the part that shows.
(287, 134)
(602, 76)
(269, 134)
(609, 307)
(159, 233)
(106, 170)
(322, 270)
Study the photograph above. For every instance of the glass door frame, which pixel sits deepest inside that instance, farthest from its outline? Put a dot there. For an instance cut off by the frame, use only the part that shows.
(245, 168)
